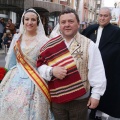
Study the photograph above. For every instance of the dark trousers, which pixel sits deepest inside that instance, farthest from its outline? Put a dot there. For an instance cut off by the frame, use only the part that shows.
(92, 114)
(1, 34)
(74, 110)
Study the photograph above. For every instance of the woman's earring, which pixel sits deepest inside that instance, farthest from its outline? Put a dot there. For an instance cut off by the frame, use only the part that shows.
(24, 29)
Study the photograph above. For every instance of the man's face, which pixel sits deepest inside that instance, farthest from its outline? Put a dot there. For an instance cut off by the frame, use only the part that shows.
(68, 25)
(104, 17)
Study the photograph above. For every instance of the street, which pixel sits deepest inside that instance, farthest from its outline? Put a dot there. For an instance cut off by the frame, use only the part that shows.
(2, 58)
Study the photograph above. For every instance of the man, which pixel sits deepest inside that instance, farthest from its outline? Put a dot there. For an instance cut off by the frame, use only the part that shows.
(10, 26)
(106, 36)
(2, 27)
(72, 63)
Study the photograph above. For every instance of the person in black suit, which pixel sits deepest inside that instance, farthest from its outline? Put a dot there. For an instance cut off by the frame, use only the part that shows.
(2, 27)
(107, 37)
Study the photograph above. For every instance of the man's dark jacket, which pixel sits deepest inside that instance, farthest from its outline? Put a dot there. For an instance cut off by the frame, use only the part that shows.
(110, 50)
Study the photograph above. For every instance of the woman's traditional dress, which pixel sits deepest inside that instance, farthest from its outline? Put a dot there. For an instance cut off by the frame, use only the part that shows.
(20, 98)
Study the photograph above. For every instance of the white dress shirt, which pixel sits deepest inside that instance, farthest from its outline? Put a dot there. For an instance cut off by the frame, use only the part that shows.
(99, 33)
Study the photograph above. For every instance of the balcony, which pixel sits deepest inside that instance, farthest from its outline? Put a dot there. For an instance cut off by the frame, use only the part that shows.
(97, 11)
(98, 1)
(90, 8)
(63, 2)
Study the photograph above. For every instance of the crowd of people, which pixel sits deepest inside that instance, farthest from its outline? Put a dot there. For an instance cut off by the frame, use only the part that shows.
(61, 77)
(7, 31)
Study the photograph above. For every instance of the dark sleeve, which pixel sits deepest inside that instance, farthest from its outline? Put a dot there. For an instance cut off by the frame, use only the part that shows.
(88, 31)
(85, 32)
(5, 40)
(115, 38)
(118, 36)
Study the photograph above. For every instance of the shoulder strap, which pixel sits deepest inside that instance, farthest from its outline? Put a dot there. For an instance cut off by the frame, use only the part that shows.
(31, 72)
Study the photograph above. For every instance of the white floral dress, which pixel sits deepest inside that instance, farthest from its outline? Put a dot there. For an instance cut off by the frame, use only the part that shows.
(20, 99)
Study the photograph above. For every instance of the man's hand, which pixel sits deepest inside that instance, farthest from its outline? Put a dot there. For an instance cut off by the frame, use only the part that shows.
(92, 103)
(59, 72)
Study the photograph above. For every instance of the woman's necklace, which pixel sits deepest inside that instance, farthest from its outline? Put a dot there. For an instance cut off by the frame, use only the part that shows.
(26, 38)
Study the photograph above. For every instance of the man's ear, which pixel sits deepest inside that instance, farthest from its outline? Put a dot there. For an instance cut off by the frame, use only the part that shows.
(110, 17)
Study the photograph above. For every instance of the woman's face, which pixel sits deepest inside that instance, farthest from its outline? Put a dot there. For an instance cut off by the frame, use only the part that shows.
(30, 22)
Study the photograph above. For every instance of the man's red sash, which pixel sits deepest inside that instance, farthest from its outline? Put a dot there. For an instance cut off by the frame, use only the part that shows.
(56, 53)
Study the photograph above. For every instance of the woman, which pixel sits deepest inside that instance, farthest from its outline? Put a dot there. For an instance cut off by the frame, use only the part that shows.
(23, 93)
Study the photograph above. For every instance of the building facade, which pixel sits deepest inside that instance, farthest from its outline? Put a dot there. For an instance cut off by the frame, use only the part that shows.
(87, 13)
(49, 10)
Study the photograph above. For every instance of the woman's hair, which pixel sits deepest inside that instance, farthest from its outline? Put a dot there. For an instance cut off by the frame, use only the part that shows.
(30, 10)
(69, 10)
(10, 20)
